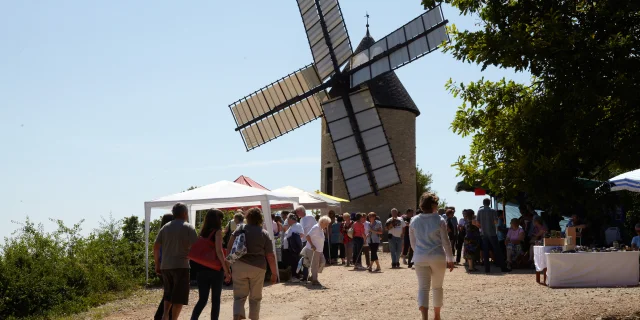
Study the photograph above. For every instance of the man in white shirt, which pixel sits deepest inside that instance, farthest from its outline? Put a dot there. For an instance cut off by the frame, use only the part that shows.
(395, 227)
(306, 221)
(293, 255)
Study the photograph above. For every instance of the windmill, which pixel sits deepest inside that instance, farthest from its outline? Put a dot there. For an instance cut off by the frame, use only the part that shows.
(357, 134)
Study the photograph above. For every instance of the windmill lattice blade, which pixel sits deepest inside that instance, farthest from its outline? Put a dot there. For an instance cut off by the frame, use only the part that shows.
(332, 22)
(353, 160)
(280, 107)
(412, 41)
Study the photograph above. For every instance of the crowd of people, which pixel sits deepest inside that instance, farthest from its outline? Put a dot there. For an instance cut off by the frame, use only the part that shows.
(429, 239)
(174, 244)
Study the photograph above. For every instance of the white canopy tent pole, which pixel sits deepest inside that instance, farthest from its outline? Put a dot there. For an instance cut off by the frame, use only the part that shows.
(147, 222)
(192, 216)
(266, 211)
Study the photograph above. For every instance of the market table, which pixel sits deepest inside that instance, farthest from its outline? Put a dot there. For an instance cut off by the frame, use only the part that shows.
(540, 260)
(592, 269)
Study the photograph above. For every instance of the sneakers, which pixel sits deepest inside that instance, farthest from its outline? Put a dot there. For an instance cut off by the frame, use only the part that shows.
(295, 280)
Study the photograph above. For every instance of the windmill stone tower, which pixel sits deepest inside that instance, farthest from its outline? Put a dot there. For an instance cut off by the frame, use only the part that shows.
(398, 114)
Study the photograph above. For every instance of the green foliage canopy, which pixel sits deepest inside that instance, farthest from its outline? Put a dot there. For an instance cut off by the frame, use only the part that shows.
(579, 116)
(423, 184)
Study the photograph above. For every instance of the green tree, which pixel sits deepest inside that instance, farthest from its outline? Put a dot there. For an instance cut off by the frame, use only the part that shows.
(579, 115)
(131, 229)
(423, 183)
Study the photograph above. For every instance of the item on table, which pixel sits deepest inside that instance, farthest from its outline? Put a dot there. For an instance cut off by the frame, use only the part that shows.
(553, 234)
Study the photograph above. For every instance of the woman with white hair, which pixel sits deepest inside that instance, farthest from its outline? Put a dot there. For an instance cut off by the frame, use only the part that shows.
(315, 243)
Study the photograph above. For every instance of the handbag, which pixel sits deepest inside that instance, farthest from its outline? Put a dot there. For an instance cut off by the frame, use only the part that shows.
(239, 248)
(204, 253)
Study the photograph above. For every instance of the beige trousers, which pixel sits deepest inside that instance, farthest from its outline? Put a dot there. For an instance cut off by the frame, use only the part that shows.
(247, 282)
(430, 278)
(315, 265)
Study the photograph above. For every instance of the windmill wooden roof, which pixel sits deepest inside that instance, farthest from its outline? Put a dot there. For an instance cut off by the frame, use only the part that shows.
(387, 90)
(249, 182)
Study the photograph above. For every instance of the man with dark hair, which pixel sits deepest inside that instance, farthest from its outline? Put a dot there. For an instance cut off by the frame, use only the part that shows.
(454, 222)
(452, 229)
(175, 239)
(462, 233)
(488, 219)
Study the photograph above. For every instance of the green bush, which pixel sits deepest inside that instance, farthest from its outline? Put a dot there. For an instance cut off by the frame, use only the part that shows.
(62, 272)
(43, 274)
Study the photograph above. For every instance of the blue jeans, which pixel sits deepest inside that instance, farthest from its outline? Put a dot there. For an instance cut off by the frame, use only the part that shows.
(489, 243)
(395, 246)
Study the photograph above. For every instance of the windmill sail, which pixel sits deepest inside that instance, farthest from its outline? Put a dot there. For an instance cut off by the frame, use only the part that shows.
(412, 41)
(361, 145)
(279, 107)
(327, 34)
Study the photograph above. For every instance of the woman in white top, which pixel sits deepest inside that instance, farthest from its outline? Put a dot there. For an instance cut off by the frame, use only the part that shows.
(432, 253)
(315, 242)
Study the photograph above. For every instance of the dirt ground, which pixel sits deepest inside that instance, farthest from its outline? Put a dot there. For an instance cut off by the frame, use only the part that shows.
(392, 294)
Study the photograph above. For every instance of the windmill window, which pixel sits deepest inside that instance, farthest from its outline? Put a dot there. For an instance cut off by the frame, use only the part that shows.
(328, 180)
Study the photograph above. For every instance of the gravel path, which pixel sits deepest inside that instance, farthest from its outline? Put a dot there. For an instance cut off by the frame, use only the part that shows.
(391, 294)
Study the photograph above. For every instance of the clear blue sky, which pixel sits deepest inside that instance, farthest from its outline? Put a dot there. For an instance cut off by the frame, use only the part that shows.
(104, 105)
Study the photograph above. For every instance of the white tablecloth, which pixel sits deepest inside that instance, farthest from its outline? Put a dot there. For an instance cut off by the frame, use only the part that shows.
(592, 269)
(539, 258)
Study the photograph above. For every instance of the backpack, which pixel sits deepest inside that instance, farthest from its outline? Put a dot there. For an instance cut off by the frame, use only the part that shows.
(239, 248)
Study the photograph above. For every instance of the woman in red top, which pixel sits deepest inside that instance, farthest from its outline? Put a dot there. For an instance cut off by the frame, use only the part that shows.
(348, 243)
(358, 241)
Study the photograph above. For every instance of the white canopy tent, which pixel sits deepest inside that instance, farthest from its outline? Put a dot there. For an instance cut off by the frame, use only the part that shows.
(627, 181)
(222, 194)
(309, 200)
